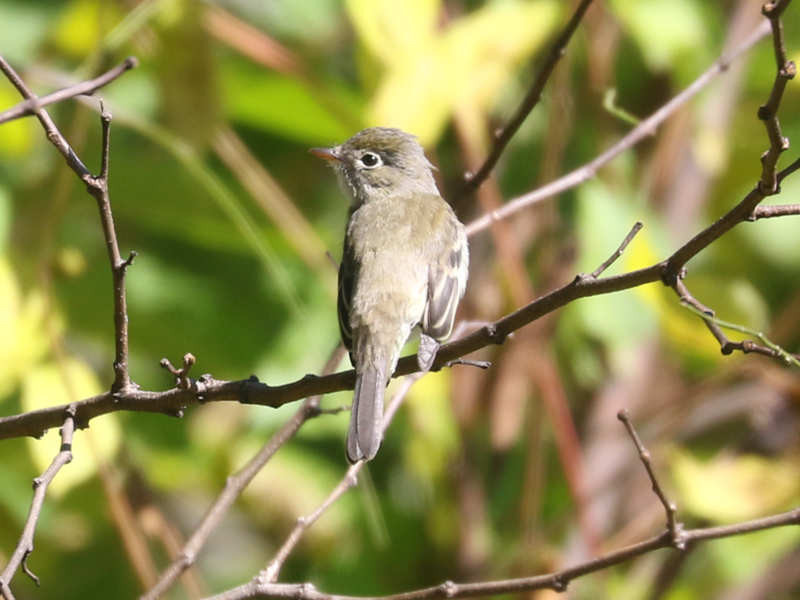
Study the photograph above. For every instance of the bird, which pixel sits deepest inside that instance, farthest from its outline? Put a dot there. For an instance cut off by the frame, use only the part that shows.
(404, 263)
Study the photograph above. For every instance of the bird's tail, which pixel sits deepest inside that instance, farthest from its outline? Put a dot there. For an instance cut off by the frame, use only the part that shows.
(366, 416)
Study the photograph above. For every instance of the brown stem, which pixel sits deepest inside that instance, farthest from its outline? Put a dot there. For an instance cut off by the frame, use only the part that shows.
(84, 88)
(40, 484)
(504, 135)
(645, 129)
(235, 485)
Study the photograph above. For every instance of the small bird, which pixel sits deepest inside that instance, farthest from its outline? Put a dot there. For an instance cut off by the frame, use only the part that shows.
(404, 263)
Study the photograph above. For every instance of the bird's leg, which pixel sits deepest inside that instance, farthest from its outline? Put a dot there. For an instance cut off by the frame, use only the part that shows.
(428, 347)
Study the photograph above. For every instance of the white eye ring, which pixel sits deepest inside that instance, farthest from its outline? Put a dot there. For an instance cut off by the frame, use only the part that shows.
(370, 160)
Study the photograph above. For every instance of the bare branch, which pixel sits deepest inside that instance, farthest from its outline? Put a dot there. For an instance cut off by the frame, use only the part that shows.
(237, 482)
(40, 484)
(272, 570)
(53, 134)
(645, 129)
(556, 581)
(675, 536)
(84, 88)
(618, 252)
(674, 528)
(504, 135)
(780, 210)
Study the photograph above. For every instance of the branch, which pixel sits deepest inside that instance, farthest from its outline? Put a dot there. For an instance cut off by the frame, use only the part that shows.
(25, 545)
(251, 391)
(646, 128)
(618, 252)
(674, 536)
(236, 483)
(97, 187)
(85, 88)
(768, 347)
(780, 210)
(504, 134)
(674, 528)
(272, 570)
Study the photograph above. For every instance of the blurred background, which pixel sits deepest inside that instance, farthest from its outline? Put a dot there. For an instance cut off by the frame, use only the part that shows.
(513, 471)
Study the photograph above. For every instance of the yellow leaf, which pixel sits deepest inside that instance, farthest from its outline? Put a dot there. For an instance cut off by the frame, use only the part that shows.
(80, 27)
(467, 64)
(21, 321)
(435, 434)
(392, 31)
(50, 384)
(17, 137)
(731, 488)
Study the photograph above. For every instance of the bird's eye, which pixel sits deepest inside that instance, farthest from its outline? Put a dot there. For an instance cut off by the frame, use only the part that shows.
(370, 160)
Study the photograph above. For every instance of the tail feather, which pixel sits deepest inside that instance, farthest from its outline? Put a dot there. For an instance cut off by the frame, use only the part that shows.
(366, 417)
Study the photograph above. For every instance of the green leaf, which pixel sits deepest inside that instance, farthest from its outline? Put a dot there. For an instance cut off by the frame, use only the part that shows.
(666, 31)
(286, 106)
(604, 217)
(23, 26)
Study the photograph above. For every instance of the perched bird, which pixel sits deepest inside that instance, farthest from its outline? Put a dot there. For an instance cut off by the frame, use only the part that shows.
(404, 263)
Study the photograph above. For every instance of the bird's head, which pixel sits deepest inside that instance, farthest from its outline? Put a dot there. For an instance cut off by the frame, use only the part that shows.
(380, 162)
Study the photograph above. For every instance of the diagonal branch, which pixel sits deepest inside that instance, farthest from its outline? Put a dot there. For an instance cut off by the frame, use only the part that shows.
(675, 536)
(674, 528)
(349, 480)
(646, 128)
(40, 484)
(236, 483)
(504, 135)
(84, 88)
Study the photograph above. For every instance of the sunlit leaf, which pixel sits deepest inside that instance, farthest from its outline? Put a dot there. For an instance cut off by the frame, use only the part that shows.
(17, 137)
(80, 27)
(732, 488)
(395, 32)
(434, 432)
(21, 321)
(468, 62)
(604, 217)
(68, 381)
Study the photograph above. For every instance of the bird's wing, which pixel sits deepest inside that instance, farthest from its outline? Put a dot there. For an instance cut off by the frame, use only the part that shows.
(445, 287)
(347, 275)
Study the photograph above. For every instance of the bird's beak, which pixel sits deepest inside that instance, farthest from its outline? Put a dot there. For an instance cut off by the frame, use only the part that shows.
(329, 154)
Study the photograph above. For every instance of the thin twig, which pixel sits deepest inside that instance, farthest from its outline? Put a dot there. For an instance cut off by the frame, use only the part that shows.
(645, 129)
(674, 527)
(618, 252)
(769, 348)
(84, 88)
(40, 484)
(776, 210)
(504, 135)
(236, 484)
(272, 570)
